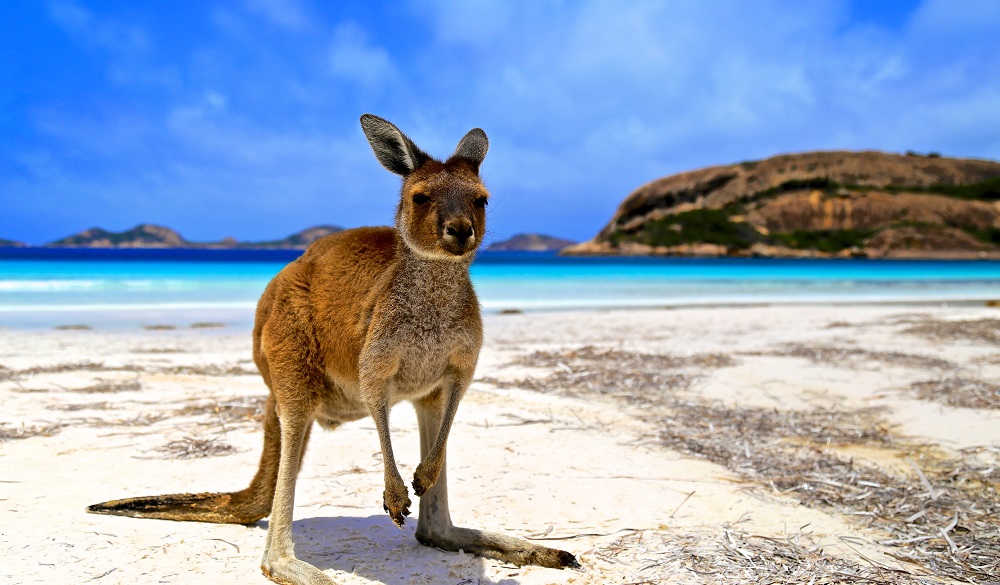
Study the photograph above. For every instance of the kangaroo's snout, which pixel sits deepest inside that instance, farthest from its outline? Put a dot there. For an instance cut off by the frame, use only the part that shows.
(459, 230)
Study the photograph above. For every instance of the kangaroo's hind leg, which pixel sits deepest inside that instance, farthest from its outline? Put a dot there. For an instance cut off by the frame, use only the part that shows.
(434, 526)
(296, 406)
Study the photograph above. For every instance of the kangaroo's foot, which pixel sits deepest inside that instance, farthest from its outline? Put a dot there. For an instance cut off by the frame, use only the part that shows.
(288, 570)
(425, 477)
(396, 501)
(498, 546)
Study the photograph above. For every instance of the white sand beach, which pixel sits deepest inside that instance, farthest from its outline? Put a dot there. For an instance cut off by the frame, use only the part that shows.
(695, 445)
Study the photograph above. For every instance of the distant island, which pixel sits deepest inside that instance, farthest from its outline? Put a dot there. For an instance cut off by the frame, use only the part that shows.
(818, 204)
(156, 236)
(530, 243)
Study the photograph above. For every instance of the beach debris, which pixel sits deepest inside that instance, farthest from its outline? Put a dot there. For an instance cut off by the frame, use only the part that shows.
(27, 431)
(111, 386)
(195, 448)
(638, 378)
(11, 374)
(942, 517)
(852, 356)
(232, 411)
(158, 350)
(235, 369)
(732, 556)
(960, 392)
(74, 407)
(207, 370)
(934, 511)
(973, 330)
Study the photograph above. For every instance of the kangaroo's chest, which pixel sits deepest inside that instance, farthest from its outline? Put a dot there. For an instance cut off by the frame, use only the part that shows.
(428, 354)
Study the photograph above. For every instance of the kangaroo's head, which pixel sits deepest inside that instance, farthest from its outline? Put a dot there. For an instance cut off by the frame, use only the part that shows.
(442, 207)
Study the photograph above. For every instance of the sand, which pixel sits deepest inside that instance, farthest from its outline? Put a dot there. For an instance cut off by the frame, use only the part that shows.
(608, 434)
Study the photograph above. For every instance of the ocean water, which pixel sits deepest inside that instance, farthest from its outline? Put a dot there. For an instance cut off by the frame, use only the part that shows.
(131, 288)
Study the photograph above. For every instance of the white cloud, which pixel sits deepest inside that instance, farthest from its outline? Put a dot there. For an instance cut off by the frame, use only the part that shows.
(105, 33)
(353, 57)
(287, 14)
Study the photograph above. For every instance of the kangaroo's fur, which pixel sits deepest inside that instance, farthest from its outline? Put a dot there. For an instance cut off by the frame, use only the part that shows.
(364, 319)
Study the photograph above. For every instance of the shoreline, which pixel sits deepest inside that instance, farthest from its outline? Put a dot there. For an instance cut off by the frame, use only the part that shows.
(592, 428)
(121, 319)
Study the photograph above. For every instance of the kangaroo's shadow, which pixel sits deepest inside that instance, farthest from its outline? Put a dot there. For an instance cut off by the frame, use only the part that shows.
(374, 548)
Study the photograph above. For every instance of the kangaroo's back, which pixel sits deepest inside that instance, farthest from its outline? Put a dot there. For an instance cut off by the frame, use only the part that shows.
(319, 305)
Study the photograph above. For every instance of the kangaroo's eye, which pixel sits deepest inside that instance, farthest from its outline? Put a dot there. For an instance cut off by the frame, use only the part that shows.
(421, 198)
(482, 202)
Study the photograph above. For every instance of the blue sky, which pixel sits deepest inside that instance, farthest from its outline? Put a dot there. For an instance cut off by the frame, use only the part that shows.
(240, 118)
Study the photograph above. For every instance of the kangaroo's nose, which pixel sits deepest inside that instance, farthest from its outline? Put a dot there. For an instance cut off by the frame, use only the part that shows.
(459, 229)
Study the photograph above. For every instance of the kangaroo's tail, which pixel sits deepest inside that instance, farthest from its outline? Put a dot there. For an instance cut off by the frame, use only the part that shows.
(243, 507)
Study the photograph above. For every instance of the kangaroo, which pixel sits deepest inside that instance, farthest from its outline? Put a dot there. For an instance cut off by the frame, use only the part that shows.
(364, 319)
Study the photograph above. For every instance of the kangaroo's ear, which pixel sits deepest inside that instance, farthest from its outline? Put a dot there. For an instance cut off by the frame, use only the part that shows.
(392, 148)
(472, 147)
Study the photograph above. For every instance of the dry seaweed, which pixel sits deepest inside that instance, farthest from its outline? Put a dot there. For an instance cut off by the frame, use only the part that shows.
(195, 370)
(111, 386)
(158, 350)
(961, 392)
(988, 360)
(82, 406)
(850, 356)
(637, 378)
(140, 420)
(942, 517)
(975, 330)
(737, 557)
(939, 517)
(622, 359)
(233, 411)
(194, 448)
(11, 374)
(27, 432)
(209, 370)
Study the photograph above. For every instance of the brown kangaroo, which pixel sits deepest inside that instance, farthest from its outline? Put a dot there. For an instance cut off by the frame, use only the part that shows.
(367, 318)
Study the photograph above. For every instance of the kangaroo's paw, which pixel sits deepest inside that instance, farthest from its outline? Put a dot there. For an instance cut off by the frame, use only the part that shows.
(397, 504)
(425, 477)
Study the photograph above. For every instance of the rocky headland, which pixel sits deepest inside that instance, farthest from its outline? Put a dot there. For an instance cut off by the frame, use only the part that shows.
(817, 204)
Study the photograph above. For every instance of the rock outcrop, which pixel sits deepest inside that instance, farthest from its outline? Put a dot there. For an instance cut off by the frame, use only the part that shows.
(838, 203)
(299, 240)
(154, 236)
(531, 243)
(141, 236)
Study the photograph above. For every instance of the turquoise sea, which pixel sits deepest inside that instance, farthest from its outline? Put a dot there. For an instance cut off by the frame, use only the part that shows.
(130, 288)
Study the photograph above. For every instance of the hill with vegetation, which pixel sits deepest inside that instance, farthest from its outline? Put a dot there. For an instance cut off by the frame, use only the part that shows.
(848, 204)
(531, 243)
(154, 236)
(141, 236)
